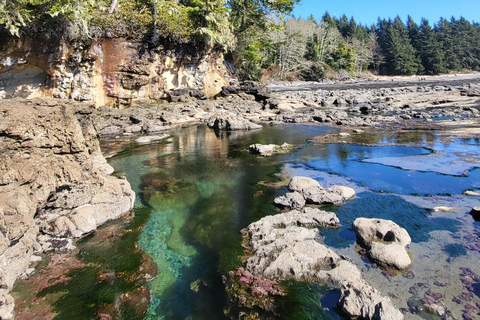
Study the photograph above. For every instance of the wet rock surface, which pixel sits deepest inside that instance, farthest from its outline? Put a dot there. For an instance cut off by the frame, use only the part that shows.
(149, 139)
(53, 181)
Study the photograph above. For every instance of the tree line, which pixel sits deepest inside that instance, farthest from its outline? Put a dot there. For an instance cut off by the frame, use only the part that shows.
(259, 36)
(312, 49)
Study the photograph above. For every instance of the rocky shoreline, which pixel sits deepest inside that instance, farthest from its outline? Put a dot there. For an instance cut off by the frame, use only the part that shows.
(56, 185)
(243, 107)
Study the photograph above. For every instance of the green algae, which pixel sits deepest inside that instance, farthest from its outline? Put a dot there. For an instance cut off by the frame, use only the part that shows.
(109, 265)
(199, 204)
(302, 301)
(84, 293)
(175, 241)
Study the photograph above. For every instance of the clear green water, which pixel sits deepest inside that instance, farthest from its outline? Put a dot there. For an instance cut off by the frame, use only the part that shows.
(198, 189)
(203, 188)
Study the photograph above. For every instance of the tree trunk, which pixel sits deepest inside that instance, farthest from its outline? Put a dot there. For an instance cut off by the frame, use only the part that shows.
(154, 36)
(113, 6)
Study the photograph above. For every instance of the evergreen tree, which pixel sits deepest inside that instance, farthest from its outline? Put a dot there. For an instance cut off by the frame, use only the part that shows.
(250, 20)
(331, 22)
(431, 53)
(464, 44)
(344, 26)
(400, 55)
(446, 37)
(213, 25)
(413, 31)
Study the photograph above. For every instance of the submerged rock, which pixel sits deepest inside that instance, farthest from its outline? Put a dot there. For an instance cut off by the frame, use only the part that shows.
(150, 139)
(384, 240)
(314, 193)
(285, 247)
(434, 308)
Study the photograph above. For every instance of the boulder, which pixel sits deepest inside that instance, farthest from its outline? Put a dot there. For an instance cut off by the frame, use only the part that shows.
(231, 122)
(384, 240)
(359, 299)
(285, 246)
(475, 213)
(314, 193)
(293, 200)
(259, 91)
(185, 94)
(262, 149)
(272, 234)
(269, 149)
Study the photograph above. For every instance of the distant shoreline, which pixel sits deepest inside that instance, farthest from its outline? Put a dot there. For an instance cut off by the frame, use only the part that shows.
(376, 82)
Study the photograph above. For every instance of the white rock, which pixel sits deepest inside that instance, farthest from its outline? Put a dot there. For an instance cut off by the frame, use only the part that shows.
(285, 246)
(149, 139)
(384, 240)
(292, 200)
(471, 193)
(7, 304)
(314, 193)
(444, 209)
(84, 220)
(268, 149)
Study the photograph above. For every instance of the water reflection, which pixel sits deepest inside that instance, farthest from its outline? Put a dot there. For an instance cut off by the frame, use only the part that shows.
(202, 187)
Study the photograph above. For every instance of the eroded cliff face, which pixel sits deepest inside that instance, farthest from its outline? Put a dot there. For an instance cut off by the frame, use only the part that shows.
(106, 72)
(55, 184)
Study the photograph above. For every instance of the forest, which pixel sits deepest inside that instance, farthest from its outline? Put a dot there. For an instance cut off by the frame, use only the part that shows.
(259, 36)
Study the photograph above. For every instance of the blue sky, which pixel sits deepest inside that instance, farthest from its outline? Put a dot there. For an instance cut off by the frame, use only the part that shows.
(367, 11)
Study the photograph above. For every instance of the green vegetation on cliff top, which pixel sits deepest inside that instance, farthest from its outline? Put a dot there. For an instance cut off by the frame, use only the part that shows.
(258, 36)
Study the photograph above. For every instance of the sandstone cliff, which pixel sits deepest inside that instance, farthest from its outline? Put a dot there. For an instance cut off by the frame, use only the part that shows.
(54, 184)
(106, 72)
